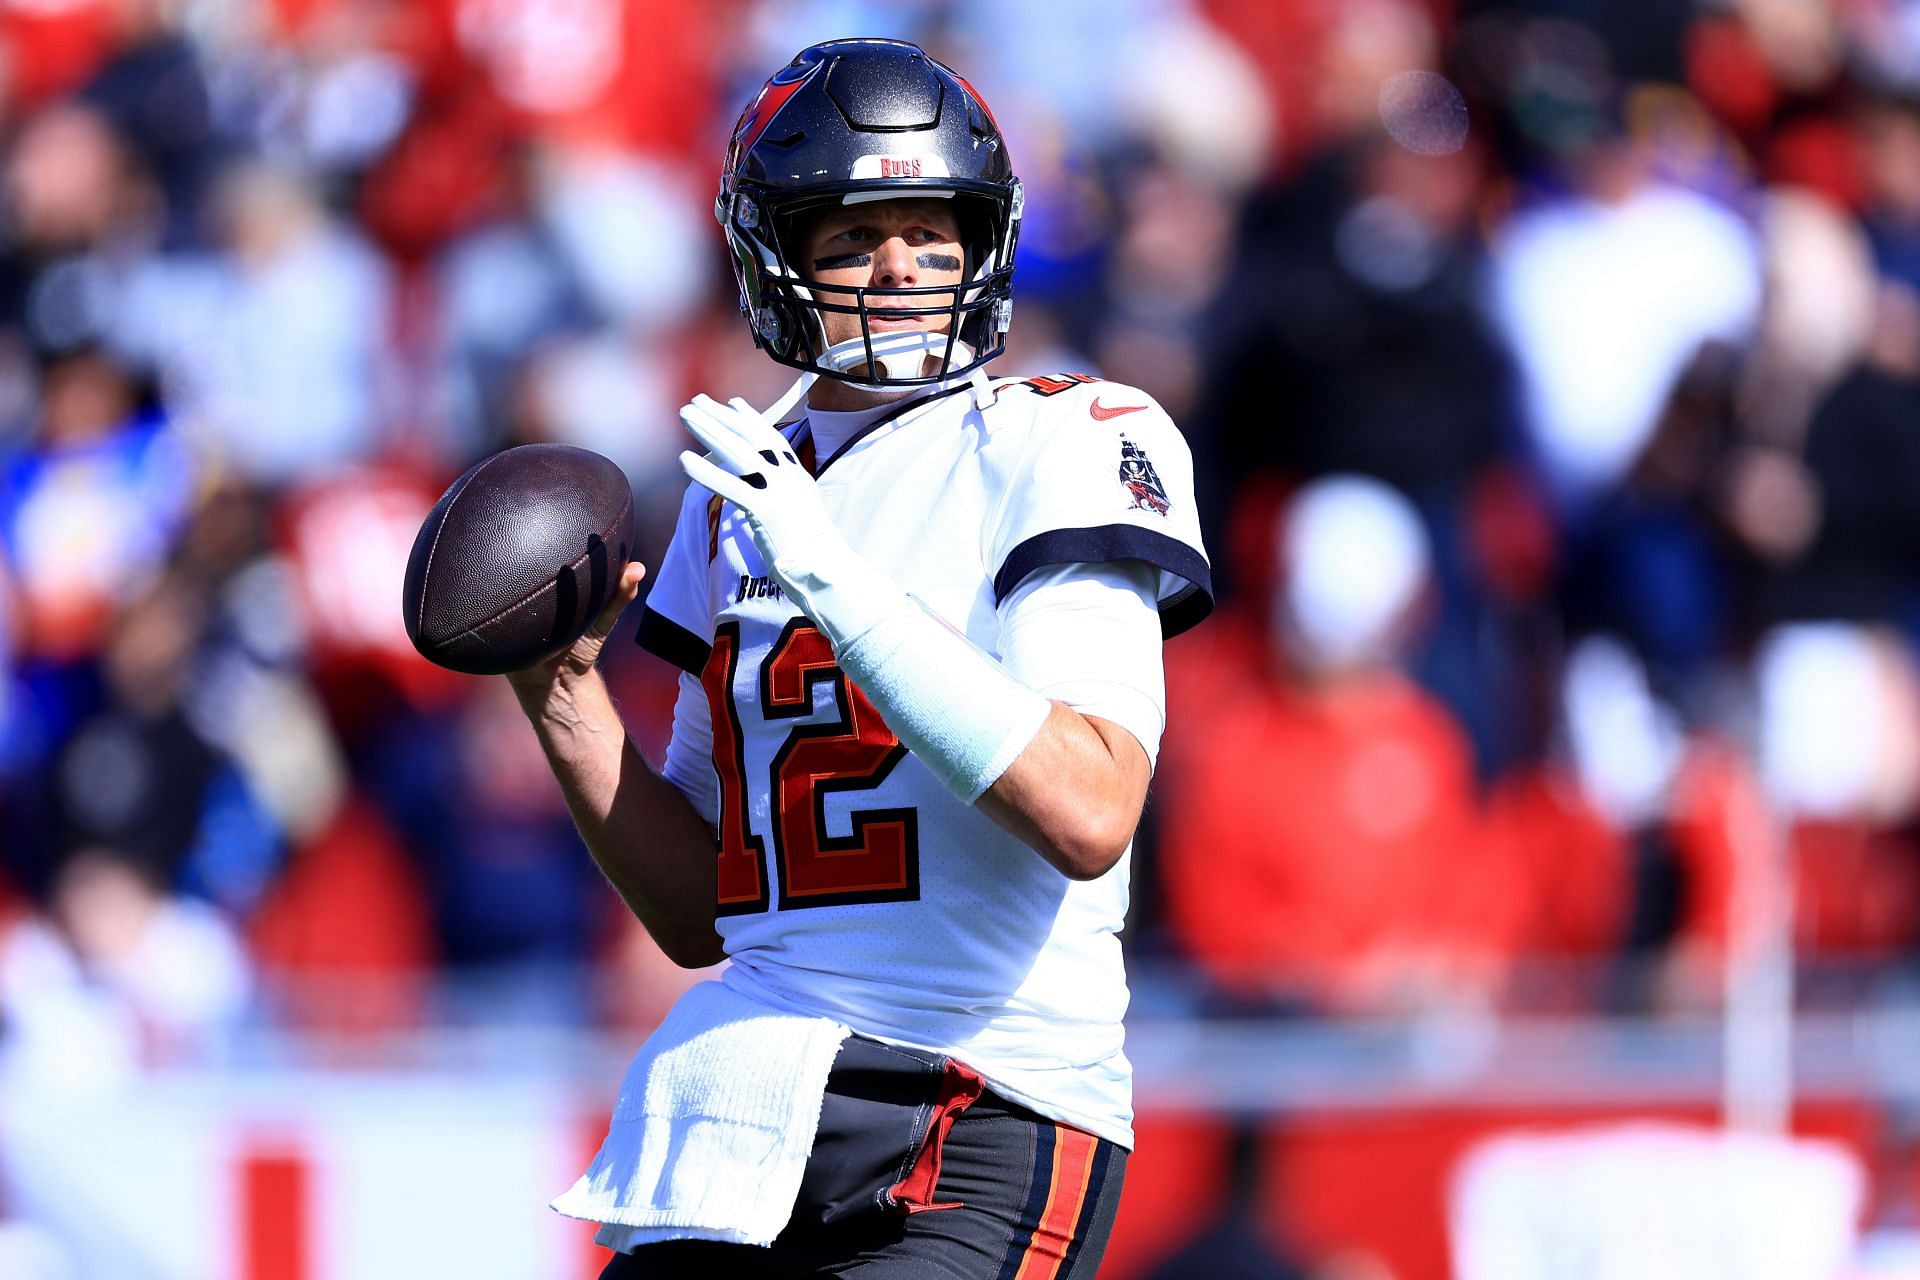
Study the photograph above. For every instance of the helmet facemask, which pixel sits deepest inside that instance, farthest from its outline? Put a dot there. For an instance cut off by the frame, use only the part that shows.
(786, 309)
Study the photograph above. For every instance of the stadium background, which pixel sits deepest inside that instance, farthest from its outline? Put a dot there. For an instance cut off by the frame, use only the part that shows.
(1541, 798)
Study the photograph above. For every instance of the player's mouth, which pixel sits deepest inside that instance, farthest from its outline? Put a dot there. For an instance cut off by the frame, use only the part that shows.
(917, 317)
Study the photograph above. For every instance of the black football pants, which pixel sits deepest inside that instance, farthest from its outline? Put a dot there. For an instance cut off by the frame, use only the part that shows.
(1007, 1194)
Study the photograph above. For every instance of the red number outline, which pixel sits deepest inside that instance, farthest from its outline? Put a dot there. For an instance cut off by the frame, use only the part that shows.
(741, 885)
(879, 861)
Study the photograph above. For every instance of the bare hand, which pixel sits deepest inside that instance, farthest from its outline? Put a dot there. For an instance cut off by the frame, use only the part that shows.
(535, 683)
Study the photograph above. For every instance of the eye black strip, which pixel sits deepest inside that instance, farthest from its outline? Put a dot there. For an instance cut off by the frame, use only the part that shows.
(840, 261)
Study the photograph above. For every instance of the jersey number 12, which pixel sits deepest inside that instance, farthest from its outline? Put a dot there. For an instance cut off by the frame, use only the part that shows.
(880, 860)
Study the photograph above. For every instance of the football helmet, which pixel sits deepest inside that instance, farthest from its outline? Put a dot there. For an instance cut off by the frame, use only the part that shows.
(849, 121)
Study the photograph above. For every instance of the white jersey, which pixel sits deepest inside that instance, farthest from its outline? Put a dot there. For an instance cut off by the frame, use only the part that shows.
(853, 884)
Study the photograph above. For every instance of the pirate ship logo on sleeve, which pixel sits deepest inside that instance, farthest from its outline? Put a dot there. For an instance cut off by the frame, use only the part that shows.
(1140, 480)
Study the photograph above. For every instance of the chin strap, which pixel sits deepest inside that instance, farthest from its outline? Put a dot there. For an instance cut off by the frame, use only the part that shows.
(902, 355)
(983, 393)
(792, 396)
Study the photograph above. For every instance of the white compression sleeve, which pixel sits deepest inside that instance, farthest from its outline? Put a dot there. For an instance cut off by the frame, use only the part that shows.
(1084, 635)
(954, 707)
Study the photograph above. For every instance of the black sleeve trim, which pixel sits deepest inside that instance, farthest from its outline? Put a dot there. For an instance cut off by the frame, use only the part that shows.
(664, 638)
(1117, 542)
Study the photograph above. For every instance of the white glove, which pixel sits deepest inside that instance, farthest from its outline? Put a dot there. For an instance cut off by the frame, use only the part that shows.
(948, 702)
(751, 465)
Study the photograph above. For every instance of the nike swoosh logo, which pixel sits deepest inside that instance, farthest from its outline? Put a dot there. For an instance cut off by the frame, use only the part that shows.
(1101, 413)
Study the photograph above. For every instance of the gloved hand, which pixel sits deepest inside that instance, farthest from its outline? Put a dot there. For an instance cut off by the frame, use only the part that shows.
(751, 465)
(963, 716)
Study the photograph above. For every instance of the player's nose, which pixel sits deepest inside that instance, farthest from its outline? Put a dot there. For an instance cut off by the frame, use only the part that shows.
(893, 263)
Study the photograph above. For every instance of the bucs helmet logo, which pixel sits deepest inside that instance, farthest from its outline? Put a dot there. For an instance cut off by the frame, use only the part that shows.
(1140, 480)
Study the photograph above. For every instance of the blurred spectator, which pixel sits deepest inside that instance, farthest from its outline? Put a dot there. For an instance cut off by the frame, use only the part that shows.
(1325, 847)
(343, 937)
(154, 90)
(89, 512)
(1840, 756)
(1237, 1243)
(85, 218)
(1363, 264)
(1645, 559)
(116, 976)
(1590, 830)
(602, 72)
(1349, 338)
(137, 773)
(1362, 261)
(509, 883)
(1606, 294)
(1857, 554)
(274, 351)
(1816, 325)
(1837, 677)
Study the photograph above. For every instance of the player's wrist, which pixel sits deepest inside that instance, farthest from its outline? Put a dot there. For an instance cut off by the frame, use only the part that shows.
(560, 697)
(843, 592)
(962, 715)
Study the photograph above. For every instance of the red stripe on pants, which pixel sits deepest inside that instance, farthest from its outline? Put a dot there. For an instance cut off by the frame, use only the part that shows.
(1072, 1166)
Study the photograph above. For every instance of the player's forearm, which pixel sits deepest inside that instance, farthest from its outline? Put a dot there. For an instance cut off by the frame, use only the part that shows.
(648, 840)
(1074, 794)
(1068, 785)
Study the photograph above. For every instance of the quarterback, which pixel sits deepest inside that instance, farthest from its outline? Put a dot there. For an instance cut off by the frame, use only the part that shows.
(917, 611)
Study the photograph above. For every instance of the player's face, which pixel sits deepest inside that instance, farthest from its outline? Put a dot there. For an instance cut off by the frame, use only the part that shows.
(886, 244)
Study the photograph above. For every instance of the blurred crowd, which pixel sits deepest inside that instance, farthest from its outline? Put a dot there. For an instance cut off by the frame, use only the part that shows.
(1553, 371)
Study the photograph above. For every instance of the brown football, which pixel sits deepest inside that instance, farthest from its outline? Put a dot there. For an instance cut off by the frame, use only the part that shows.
(518, 557)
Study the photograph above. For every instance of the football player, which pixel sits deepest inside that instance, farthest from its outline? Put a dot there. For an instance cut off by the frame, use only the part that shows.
(918, 611)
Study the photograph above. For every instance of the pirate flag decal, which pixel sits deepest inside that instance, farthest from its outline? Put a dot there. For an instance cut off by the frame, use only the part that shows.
(1141, 481)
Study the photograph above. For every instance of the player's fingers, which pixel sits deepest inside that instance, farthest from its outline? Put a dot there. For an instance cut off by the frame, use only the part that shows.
(623, 595)
(734, 434)
(735, 489)
(704, 470)
(762, 439)
(722, 439)
(739, 422)
(736, 414)
(535, 683)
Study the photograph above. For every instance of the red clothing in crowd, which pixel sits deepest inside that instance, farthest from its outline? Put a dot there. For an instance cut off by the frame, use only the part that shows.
(344, 937)
(53, 48)
(1571, 866)
(1327, 843)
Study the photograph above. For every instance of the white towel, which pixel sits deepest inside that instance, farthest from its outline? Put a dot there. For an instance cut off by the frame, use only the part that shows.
(714, 1125)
